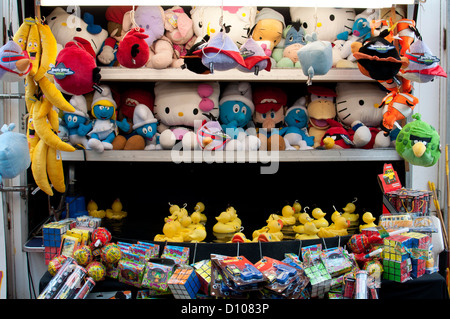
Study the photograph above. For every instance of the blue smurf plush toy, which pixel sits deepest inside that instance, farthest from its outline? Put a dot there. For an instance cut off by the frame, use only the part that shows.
(78, 123)
(235, 113)
(105, 126)
(145, 125)
(296, 132)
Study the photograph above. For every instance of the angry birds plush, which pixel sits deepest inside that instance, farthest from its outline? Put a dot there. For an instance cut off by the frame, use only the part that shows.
(14, 63)
(270, 104)
(78, 123)
(396, 106)
(65, 26)
(320, 108)
(76, 71)
(336, 137)
(105, 126)
(419, 143)
(236, 21)
(133, 52)
(254, 57)
(178, 107)
(316, 57)
(236, 110)
(296, 132)
(268, 29)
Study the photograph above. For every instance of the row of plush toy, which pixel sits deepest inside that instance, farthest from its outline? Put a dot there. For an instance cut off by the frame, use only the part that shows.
(234, 116)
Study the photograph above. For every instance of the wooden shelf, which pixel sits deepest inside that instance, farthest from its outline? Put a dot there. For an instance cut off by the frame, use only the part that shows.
(276, 74)
(199, 156)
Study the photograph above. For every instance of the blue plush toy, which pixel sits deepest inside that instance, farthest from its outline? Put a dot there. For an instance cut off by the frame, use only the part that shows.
(105, 126)
(145, 125)
(78, 123)
(316, 57)
(296, 132)
(14, 153)
(235, 113)
(295, 39)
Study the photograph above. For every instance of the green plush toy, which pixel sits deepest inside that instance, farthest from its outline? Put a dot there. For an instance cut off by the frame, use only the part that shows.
(419, 143)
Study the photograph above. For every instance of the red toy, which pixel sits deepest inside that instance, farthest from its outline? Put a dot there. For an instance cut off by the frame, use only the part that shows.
(100, 237)
(133, 52)
(76, 71)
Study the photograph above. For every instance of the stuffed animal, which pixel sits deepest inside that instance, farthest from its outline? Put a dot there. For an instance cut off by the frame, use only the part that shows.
(105, 126)
(236, 21)
(396, 106)
(320, 108)
(296, 132)
(316, 57)
(361, 102)
(419, 143)
(78, 122)
(179, 29)
(270, 104)
(66, 26)
(145, 125)
(14, 153)
(235, 114)
(268, 30)
(178, 105)
(133, 52)
(14, 64)
(211, 137)
(361, 31)
(115, 17)
(295, 39)
(255, 58)
(149, 18)
(339, 137)
(76, 71)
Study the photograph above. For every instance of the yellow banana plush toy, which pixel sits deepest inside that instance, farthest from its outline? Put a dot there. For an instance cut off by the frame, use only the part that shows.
(41, 96)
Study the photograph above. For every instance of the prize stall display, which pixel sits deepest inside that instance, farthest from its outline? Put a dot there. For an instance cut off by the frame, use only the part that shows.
(64, 94)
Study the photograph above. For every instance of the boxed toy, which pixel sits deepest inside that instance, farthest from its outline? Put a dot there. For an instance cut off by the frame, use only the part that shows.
(184, 283)
(203, 271)
(157, 273)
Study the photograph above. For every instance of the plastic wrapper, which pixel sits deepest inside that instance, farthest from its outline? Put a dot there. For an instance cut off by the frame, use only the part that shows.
(59, 279)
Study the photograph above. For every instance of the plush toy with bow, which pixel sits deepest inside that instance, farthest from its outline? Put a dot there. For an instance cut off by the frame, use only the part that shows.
(133, 52)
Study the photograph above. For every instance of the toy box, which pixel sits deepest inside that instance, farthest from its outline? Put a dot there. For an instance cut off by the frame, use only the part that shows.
(179, 254)
(184, 283)
(319, 278)
(203, 271)
(157, 273)
(335, 261)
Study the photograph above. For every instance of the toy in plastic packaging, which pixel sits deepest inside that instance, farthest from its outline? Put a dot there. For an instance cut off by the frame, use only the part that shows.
(311, 254)
(100, 237)
(55, 264)
(336, 261)
(59, 279)
(319, 278)
(83, 255)
(72, 284)
(157, 273)
(131, 272)
(96, 270)
(184, 283)
(85, 289)
(111, 253)
(361, 285)
(177, 253)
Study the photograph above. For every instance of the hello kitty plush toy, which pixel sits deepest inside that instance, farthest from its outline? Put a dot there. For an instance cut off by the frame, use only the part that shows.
(181, 107)
(360, 103)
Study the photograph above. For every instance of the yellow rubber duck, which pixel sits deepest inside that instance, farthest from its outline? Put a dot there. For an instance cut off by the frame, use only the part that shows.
(319, 216)
(297, 209)
(222, 226)
(239, 238)
(200, 208)
(303, 218)
(234, 219)
(116, 212)
(287, 216)
(197, 235)
(368, 218)
(171, 232)
(93, 210)
(273, 227)
(338, 229)
(176, 213)
(310, 232)
(349, 212)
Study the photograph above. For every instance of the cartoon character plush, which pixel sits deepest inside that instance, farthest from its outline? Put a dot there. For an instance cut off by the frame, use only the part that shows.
(236, 21)
(180, 106)
(104, 129)
(320, 108)
(76, 71)
(316, 57)
(66, 26)
(419, 143)
(145, 125)
(295, 39)
(179, 29)
(149, 18)
(254, 58)
(211, 137)
(14, 64)
(14, 152)
(268, 29)
(396, 106)
(270, 103)
(133, 52)
(78, 123)
(296, 132)
(360, 102)
(336, 136)
(236, 109)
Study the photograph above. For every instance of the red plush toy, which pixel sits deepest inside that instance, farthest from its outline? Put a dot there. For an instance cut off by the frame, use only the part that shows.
(133, 52)
(76, 71)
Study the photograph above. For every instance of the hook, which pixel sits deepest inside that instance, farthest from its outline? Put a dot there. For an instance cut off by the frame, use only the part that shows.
(355, 200)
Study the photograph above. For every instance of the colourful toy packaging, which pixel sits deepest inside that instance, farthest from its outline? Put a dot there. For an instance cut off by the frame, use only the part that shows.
(72, 284)
(335, 261)
(396, 259)
(180, 255)
(203, 270)
(319, 278)
(157, 273)
(184, 283)
(58, 280)
(131, 272)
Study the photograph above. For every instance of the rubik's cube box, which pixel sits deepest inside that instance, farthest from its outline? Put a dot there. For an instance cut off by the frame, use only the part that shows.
(396, 258)
(319, 278)
(203, 270)
(398, 271)
(184, 283)
(53, 234)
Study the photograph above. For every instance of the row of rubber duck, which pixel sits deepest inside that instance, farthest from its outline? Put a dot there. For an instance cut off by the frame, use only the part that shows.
(115, 212)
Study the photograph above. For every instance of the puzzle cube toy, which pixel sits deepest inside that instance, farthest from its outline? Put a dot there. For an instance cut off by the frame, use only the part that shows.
(184, 283)
(396, 258)
(53, 234)
(203, 271)
(320, 280)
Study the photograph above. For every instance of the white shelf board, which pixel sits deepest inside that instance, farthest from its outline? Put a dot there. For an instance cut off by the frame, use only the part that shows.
(275, 74)
(199, 156)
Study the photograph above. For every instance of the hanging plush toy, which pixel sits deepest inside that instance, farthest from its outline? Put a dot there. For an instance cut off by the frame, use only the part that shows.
(211, 137)
(397, 106)
(133, 52)
(105, 126)
(419, 143)
(14, 63)
(296, 132)
(316, 57)
(254, 58)
(76, 71)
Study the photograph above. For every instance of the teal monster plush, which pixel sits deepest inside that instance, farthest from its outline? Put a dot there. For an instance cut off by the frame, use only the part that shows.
(419, 143)
(316, 57)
